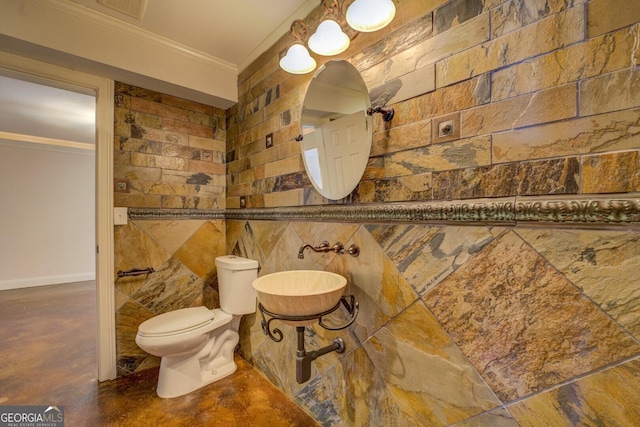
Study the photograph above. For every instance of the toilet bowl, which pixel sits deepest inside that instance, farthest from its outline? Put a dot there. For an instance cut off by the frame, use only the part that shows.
(197, 344)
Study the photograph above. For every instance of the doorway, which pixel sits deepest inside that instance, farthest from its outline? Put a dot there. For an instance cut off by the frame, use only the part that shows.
(102, 89)
(47, 171)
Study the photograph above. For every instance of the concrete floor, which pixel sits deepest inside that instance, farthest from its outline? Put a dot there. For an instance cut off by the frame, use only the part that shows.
(48, 357)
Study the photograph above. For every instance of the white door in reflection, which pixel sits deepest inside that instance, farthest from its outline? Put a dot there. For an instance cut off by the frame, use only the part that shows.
(345, 158)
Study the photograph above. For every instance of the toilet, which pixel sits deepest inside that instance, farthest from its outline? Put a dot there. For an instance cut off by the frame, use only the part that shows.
(197, 344)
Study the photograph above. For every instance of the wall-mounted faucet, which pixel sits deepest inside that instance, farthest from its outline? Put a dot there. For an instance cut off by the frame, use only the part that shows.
(325, 247)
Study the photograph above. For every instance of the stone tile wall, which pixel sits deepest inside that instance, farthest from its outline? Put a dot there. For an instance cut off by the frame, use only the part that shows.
(472, 325)
(482, 325)
(546, 103)
(169, 154)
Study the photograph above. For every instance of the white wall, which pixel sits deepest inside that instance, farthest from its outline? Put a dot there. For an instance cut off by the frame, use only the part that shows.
(47, 214)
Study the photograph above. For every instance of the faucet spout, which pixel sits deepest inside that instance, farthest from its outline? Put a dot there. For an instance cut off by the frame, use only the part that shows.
(301, 251)
(324, 247)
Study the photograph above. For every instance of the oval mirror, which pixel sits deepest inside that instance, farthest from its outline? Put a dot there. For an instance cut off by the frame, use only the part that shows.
(336, 130)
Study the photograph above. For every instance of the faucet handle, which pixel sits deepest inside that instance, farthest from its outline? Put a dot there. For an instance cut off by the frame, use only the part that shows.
(353, 250)
(338, 248)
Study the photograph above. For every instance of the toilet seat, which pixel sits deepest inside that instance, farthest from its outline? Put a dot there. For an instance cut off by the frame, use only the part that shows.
(178, 322)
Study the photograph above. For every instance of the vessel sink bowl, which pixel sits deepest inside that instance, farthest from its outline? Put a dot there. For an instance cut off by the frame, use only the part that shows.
(300, 293)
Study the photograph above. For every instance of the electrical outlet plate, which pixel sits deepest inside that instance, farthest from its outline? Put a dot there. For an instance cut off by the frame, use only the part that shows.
(445, 128)
(120, 216)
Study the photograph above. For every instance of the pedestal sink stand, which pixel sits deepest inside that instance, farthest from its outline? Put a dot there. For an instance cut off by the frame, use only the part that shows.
(304, 358)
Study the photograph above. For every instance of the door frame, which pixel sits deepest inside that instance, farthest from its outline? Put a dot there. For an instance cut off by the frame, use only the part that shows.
(103, 90)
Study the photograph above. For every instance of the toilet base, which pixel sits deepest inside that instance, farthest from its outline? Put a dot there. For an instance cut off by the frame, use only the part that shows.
(174, 384)
(179, 376)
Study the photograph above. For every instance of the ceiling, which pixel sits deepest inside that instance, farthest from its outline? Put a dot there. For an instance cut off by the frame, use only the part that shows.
(234, 31)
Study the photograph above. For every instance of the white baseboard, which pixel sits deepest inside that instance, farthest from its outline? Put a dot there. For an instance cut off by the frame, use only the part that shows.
(30, 282)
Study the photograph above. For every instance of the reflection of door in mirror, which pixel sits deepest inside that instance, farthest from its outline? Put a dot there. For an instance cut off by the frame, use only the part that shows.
(336, 130)
(343, 153)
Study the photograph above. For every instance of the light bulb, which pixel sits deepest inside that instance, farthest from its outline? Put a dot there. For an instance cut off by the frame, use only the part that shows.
(297, 60)
(329, 39)
(370, 15)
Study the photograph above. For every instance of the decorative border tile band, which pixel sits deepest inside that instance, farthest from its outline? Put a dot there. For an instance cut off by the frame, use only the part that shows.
(523, 210)
(605, 211)
(150, 213)
(497, 211)
(510, 211)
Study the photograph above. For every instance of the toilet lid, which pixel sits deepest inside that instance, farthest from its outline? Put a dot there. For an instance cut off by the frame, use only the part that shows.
(176, 321)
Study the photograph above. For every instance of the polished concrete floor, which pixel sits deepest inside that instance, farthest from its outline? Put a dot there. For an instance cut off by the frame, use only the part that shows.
(48, 357)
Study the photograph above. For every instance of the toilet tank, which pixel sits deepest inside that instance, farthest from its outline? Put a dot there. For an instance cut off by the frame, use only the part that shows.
(235, 279)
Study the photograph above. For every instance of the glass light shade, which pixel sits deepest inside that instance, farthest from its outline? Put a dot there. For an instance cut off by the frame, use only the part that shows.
(329, 39)
(297, 60)
(370, 15)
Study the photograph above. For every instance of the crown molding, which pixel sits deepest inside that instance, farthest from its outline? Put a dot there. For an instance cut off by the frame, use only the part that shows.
(113, 24)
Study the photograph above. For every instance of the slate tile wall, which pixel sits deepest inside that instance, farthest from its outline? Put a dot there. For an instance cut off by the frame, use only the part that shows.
(531, 85)
(169, 154)
(463, 325)
(459, 325)
(476, 325)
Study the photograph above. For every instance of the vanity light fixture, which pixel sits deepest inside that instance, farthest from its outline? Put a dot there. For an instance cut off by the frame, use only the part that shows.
(329, 39)
(370, 15)
(298, 60)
